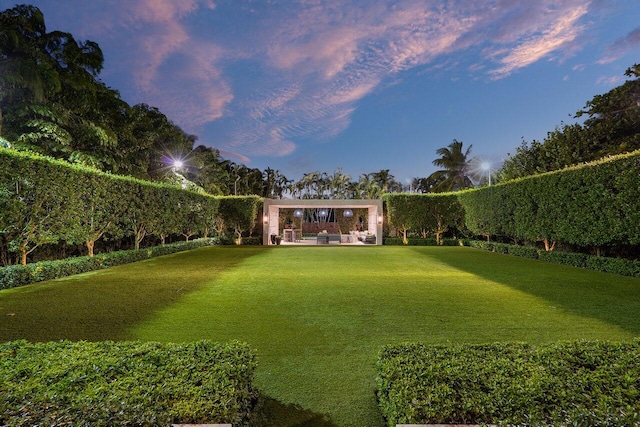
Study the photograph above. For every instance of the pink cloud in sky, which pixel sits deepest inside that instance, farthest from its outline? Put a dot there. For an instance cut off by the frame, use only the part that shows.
(319, 59)
(558, 34)
(339, 53)
(622, 46)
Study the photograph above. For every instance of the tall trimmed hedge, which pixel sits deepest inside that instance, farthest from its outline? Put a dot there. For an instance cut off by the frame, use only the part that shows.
(591, 205)
(429, 214)
(125, 383)
(44, 201)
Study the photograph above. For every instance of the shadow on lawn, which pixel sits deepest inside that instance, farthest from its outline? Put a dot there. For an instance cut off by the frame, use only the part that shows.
(104, 305)
(271, 413)
(602, 296)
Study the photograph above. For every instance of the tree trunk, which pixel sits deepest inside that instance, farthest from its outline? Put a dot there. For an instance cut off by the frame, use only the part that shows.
(90, 244)
(549, 246)
(23, 254)
(405, 241)
(138, 234)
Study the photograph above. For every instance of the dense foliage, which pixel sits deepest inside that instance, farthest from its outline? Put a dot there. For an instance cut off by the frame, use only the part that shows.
(612, 126)
(430, 214)
(595, 205)
(125, 383)
(568, 383)
(46, 201)
(17, 275)
(621, 266)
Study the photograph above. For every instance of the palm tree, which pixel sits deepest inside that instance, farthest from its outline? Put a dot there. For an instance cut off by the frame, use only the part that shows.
(384, 179)
(339, 184)
(275, 183)
(368, 187)
(454, 175)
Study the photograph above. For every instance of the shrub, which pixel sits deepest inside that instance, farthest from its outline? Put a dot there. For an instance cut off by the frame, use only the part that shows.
(18, 275)
(622, 266)
(125, 383)
(565, 258)
(567, 383)
(625, 267)
(396, 241)
(523, 251)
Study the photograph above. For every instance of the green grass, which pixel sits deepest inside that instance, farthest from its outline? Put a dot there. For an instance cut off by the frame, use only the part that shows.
(318, 316)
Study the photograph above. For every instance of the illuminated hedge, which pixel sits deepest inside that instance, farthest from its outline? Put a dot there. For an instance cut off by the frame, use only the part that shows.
(596, 204)
(46, 201)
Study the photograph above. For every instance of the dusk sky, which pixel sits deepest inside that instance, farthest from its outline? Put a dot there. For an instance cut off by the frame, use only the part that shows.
(314, 85)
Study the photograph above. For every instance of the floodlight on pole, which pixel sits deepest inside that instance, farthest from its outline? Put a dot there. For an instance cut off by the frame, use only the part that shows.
(486, 166)
(178, 164)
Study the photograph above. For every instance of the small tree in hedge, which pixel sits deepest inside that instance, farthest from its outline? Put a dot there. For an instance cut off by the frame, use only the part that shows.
(40, 203)
(239, 213)
(102, 203)
(444, 212)
(405, 212)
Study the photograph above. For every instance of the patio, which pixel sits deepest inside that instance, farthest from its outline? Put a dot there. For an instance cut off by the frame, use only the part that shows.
(312, 233)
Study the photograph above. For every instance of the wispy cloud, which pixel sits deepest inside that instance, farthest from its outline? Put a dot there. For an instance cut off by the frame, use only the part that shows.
(290, 73)
(336, 54)
(609, 81)
(621, 47)
(561, 32)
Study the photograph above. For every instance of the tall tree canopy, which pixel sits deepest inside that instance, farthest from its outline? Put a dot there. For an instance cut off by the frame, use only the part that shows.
(611, 126)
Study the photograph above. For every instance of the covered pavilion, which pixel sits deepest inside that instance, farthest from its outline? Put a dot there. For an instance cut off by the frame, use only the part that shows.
(271, 213)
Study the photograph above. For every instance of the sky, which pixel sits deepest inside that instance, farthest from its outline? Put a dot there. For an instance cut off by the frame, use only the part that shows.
(363, 85)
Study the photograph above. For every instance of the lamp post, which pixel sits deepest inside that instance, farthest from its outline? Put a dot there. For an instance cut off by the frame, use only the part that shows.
(486, 166)
(235, 186)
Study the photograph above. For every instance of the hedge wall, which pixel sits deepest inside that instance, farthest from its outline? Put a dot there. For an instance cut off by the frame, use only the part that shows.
(45, 201)
(125, 383)
(591, 205)
(587, 206)
(429, 214)
(568, 383)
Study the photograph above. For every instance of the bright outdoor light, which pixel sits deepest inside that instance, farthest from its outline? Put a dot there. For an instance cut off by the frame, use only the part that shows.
(177, 163)
(486, 166)
(265, 219)
(323, 213)
(347, 213)
(379, 219)
(298, 213)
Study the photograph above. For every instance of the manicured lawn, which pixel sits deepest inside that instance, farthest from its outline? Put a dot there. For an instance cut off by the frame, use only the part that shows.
(318, 316)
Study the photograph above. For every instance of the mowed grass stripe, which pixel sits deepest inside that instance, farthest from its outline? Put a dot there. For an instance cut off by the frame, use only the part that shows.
(103, 305)
(318, 316)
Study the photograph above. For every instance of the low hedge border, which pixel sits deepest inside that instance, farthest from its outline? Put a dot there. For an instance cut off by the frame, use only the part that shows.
(621, 266)
(578, 383)
(419, 241)
(18, 275)
(125, 383)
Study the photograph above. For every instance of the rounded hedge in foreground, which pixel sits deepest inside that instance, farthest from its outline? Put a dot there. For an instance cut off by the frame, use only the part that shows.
(125, 383)
(568, 383)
